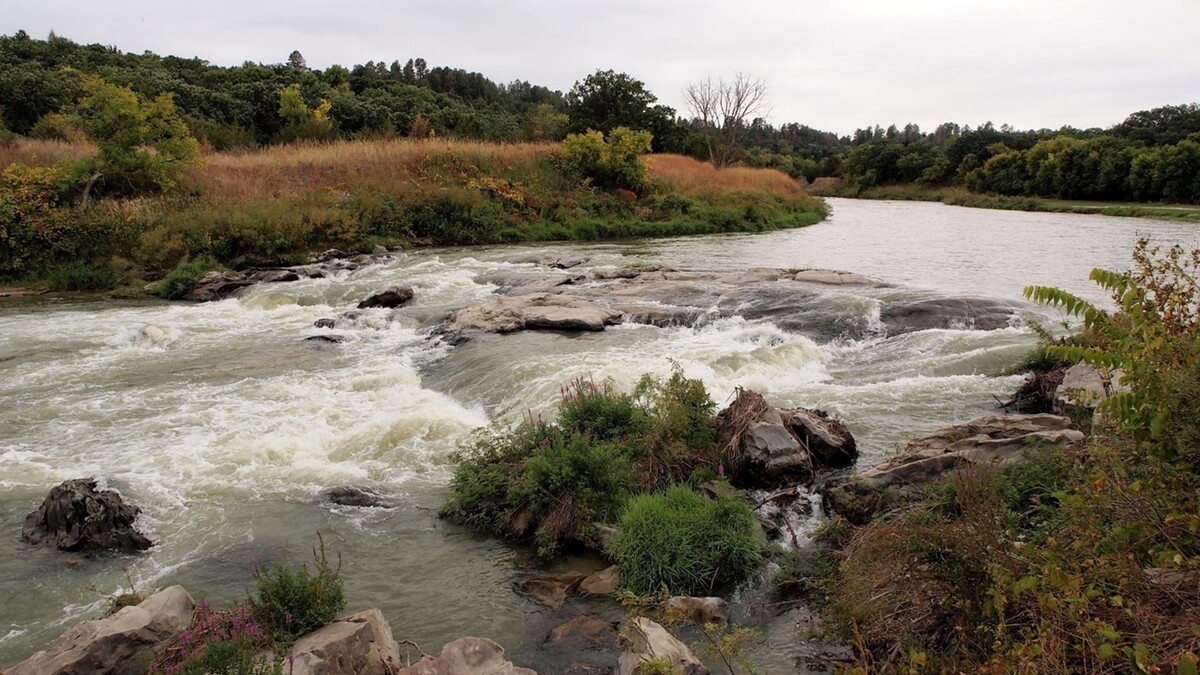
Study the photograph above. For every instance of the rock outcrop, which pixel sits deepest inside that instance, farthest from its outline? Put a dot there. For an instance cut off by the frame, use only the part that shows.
(77, 517)
(216, 286)
(506, 314)
(997, 441)
(361, 643)
(770, 447)
(389, 298)
(647, 641)
(1083, 388)
(970, 313)
(122, 643)
(467, 656)
(353, 495)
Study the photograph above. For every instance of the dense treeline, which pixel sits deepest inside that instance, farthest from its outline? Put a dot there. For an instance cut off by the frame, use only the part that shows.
(258, 104)
(1152, 156)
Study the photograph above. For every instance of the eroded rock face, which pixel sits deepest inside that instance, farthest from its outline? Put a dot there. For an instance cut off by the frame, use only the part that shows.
(648, 641)
(996, 440)
(390, 298)
(77, 517)
(361, 643)
(972, 313)
(122, 643)
(467, 656)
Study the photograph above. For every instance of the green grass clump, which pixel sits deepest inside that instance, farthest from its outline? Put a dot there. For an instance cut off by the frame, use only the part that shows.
(290, 602)
(658, 666)
(553, 480)
(239, 656)
(184, 278)
(682, 542)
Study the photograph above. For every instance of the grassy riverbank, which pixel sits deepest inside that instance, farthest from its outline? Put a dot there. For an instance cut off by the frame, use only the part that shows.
(960, 196)
(275, 206)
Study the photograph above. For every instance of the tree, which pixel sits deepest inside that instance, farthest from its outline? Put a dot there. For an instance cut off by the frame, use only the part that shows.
(141, 145)
(722, 109)
(296, 61)
(606, 100)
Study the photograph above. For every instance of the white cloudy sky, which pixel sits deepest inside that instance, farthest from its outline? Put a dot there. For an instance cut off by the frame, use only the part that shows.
(831, 64)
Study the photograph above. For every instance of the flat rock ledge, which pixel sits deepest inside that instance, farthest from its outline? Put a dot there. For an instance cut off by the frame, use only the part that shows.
(994, 441)
(544, 311)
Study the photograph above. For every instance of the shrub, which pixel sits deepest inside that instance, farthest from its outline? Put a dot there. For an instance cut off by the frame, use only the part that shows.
(290, 602)
(614, 163)
(660, 666)
(183, 278)
(682, 542)
(218, 642)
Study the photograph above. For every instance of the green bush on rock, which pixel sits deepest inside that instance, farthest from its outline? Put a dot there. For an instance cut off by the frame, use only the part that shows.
(290, 602)
(685, 543)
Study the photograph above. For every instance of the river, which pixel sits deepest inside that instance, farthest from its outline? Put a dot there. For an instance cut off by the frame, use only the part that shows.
(226, 428)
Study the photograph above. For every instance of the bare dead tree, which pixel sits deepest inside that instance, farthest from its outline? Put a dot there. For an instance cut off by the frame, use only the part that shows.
(722, 108)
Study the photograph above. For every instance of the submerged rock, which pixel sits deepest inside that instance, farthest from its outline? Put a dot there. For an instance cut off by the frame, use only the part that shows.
(273, 276)
(647, 641)
(959, 313)
(324, 323)
(122, 643)
(997, 441)
(550, 590)
(75, 516)
(604, 582)
(467, 656)
(390, 298)
(585, 645)
(701, 611)
(361, 643)
(326, 339)
(352, 495)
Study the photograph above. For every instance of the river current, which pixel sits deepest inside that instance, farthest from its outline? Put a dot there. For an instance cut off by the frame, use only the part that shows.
(226, 428)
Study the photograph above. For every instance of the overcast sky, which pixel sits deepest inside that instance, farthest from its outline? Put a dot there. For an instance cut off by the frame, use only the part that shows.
(835, 65)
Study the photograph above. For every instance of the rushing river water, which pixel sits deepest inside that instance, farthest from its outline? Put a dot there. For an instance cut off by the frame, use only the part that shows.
(226, 428)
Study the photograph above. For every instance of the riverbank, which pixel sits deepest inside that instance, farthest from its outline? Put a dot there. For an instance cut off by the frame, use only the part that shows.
(278, 205)
(960, 196)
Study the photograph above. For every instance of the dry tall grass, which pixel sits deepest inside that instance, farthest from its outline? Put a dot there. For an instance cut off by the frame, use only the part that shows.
(34, 152)
(692, 176)
(295, 169)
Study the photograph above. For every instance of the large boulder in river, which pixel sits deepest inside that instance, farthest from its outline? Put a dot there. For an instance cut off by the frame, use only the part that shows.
(769, 447)
(648, 641)
(77, 517)
(390, 298)
(467, 656)
(122, 643)
(361, 643)
(995, 441)
(960, 313)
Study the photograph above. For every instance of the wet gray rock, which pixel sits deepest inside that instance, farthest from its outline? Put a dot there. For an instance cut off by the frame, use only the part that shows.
(959, 313)
(773, 455)
(390, 298)
(566, 263)
(353, 495)
(467, 656)
(77, 517)
(507, 314)
(328, 255)
(326, 339)
(584, 645)
(122, 643)
(217, 286)
(324, 323)
(361, 644)
(994, 441)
